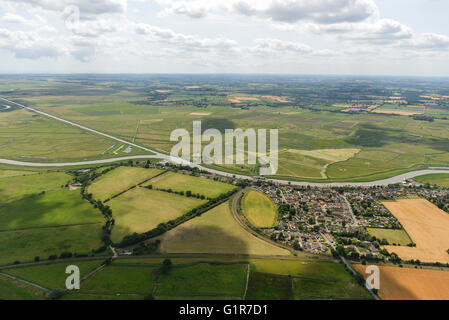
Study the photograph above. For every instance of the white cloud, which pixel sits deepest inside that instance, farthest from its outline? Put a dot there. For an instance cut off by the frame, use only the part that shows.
(285, 11)
(29, 45)
(154, 33)
(87, 7)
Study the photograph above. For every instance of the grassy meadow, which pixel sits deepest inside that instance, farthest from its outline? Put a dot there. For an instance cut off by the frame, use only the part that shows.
(259, 209)
(441, 180)
(181, 182)
(216, 231)
(399, 237)
(119, 180)
(316, 142)
(140, 210)
(17, 186)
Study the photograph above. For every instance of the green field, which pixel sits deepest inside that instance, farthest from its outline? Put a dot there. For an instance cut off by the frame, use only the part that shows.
(15, 187)
(193, 279)
(52, 276)
(140, 210)
(119, 180)
(26, 136)
(184, 281)
(116, 279)
(439, 179)
(316, 142)
(260, 210)
(181, 182)
(48, 224)
(306, 280)
(265, 286)
(399, 237)
(216, 231)
(316, 289)
(15, 290)
(25, 245)
(203, 281)
(52, 209)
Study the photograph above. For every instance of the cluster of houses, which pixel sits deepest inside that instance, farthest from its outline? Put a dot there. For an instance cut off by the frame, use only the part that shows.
(320, 218)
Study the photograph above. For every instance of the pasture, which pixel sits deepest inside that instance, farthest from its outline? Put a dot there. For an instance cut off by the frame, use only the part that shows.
(140, 210)
(411, 284)
(52, 276)
(389, 144)
(182, 182)
(25, 245)
(216, 231)
(399, 237)
(259, 209)
(48, 224)
(26, 136)
(203, 281)
(15, 290)
(426, 224)
(265, 286)
(119, 180)
(200, 278)
(197, 280)
(14, 187)
(441, 180)
(52, 209)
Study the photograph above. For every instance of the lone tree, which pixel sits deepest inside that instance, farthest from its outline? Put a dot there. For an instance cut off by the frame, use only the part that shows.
(166, 266)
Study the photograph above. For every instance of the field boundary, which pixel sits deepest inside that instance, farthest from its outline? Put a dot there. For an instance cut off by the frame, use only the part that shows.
(24, 281)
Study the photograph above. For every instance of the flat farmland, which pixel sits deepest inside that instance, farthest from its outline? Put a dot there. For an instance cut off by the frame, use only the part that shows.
(306, 137)
(428, 227)
(119, 180)
(411, 284)
(182, 182)
(26, 136)
(140, 210)
(216, 231)
(441, 180)
(52, 209)
(259, 209)
(25, 245)
(48, 224)
(392, 236)
(29, 183)
(51, 276)
(203, 281)
(15, 290)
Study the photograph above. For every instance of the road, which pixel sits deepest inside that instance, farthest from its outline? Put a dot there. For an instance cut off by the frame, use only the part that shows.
(349, 266)
(158, 155)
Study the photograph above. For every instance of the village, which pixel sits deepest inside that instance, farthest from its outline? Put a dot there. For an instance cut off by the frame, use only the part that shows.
(318, 220)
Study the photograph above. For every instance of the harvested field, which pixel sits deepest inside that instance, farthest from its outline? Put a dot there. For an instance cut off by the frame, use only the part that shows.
(428, 227)
(399, 113)
(200, 114)
(276, 98)
(240, 99)
(411, 284)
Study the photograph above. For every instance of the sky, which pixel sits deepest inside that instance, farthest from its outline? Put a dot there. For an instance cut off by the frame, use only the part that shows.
(347, 37)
